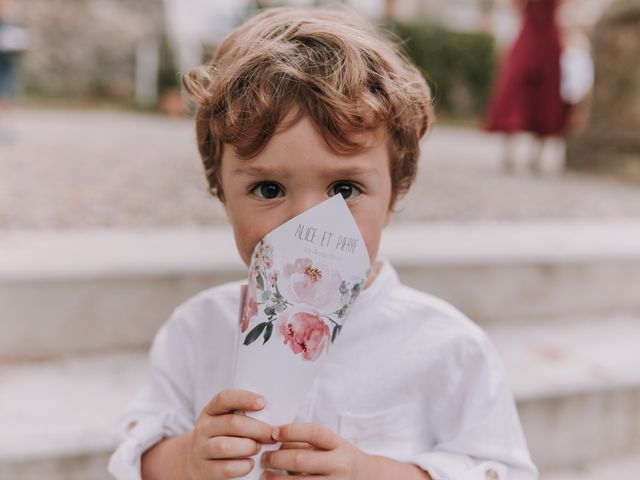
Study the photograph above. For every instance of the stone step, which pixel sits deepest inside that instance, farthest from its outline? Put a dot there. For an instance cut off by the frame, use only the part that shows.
(88, 291)
(624, 468)
(576, 383)
(55, 416)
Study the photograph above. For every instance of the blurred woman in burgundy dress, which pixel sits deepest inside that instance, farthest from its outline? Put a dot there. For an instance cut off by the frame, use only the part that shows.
(526, 96)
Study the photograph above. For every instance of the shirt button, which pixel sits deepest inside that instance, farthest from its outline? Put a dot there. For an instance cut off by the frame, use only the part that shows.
(491, 474)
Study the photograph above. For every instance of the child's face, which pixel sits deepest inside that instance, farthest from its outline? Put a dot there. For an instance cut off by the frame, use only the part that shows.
(296, 171)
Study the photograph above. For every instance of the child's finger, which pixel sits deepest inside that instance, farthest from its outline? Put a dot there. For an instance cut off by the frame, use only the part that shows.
(314, 434)
(229, 468)
(230, 447)
(278, 476)
(313, 462)
(233, 425)
(232, 399)
(298, 445)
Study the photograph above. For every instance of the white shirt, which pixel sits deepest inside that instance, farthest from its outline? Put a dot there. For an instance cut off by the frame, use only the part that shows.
(410, 378)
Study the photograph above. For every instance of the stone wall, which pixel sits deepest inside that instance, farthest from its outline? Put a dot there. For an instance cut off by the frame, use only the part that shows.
(86, 47)
(611, 141)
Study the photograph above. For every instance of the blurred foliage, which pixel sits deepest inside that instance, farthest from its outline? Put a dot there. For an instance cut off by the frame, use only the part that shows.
(168, 75)
(459, 66)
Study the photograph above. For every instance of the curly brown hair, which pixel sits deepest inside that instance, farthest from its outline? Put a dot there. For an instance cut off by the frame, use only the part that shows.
(327, 64)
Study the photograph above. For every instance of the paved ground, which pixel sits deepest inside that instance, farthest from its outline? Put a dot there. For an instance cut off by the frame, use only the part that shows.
(87, 168)
(616, 469)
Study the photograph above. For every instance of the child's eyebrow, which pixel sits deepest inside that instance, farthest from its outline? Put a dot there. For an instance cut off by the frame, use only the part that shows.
(343, 171)
(252, 171)
(352, 170)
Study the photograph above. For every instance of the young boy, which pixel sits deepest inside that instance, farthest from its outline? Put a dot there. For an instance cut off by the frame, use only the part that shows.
(297, 106)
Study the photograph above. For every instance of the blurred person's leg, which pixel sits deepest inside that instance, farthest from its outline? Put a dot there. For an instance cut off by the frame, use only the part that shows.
(7, 128)
(8, 90)
(508, 162)
(535, 158)
(560, 154)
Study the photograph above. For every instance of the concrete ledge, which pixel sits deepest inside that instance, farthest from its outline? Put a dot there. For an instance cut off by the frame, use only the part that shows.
(81, 292)
(65, 407)
(84, 466)
(76, 254)
(624, 468)
(577, 384)
(55, 417)
(38, 255)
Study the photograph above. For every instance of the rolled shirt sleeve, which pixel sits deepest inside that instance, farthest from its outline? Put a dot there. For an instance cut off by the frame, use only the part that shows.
(162, 408)
(475, 421)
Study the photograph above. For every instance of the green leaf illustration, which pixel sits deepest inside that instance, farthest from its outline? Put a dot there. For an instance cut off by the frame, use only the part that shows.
(253, 335)
(269, 331)
(270, 311)
(259, 281)
(336, 331)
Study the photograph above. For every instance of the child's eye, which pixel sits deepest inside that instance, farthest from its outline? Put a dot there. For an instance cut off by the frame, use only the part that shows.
(347, 189)
(267, 190)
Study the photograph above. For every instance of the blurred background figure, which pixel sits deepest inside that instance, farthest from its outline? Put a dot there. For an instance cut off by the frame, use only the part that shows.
(527, 95)
(196, 24)
(13, 42)
(577, 76)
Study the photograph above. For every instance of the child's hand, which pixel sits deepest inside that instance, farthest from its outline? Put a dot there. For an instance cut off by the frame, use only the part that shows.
(321, 452)
(216, 452)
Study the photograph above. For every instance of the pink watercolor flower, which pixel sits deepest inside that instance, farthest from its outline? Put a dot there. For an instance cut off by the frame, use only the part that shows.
(313, 284)
(273, 279)
(305, 333)
(262, 256)
(250, 307)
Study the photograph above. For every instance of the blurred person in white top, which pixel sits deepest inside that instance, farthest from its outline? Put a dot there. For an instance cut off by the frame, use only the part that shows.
(13, 43)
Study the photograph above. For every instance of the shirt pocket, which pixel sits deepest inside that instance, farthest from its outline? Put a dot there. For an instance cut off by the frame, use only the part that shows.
(391, 432)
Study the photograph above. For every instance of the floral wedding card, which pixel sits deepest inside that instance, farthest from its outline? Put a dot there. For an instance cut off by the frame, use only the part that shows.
(304, 277)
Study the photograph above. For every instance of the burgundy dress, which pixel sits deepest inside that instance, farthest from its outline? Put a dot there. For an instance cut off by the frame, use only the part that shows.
(526, 96)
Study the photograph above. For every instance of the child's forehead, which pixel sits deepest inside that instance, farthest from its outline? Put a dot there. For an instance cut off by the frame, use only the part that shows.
(303, 142)
(304, 137)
